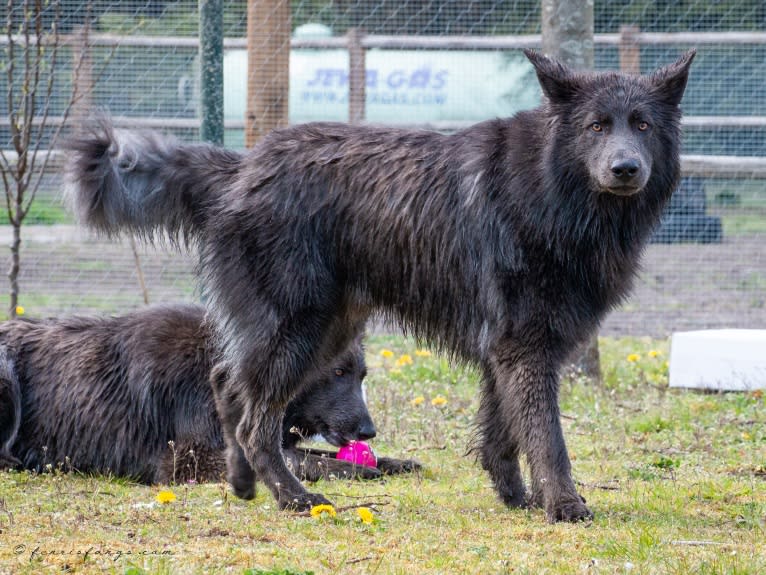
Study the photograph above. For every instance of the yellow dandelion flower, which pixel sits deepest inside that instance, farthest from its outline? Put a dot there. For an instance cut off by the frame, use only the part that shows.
(166, 497)
(419, 400)
(20, 310)
(319, 510)
(365, 514)
(633, 357)
(405, 359)
(439, 401)
(422, 353)
(386, 353)
(746, 436)
(654, 353)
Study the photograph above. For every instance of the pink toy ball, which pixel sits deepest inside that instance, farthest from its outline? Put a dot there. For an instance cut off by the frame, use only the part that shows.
(358, 453)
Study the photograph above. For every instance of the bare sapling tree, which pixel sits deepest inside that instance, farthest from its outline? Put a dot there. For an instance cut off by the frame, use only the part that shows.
(30, 64)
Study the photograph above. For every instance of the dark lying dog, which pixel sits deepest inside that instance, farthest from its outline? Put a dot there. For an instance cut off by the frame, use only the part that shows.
(505, 244)
(107, 394)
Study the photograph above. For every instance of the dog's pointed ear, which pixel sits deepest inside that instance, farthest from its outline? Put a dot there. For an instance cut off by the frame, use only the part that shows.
(670, 81)
(557, 81)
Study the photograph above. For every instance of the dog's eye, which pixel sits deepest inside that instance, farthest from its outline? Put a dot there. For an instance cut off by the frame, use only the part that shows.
(339, 372)
(643, 126)
(596, 126)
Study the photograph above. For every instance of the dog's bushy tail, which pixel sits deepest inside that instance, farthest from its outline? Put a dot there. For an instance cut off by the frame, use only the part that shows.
(144, 183)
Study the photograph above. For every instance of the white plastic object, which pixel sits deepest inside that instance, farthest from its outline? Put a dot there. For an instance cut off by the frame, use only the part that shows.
(720, 359)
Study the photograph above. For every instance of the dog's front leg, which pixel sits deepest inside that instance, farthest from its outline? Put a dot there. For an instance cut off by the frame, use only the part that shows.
(260, 435)
(528, 391)
(499, 447)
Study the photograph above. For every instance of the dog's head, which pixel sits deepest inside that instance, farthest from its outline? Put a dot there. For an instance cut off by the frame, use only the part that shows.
(333, 404)
(617, 128)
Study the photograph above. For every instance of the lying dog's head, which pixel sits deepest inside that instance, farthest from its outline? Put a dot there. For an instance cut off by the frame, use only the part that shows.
(333, 404)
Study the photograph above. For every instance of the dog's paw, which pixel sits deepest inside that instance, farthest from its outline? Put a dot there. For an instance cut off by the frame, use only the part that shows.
(242, 483)
(391, 466)
(301, 501)
(515, 499)
(572, 511)
(8, 461)
(246, 492)
(364, 472)
(351, 471)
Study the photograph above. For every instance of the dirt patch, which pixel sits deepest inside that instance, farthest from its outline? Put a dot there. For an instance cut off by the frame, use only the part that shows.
(681, 287)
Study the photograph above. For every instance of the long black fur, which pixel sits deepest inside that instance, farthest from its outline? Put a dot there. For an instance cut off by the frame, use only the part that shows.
(107, 395)
(503, 244)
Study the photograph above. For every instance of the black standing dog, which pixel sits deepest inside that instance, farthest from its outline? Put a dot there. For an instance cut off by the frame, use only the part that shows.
(108, 394)
(504, 244)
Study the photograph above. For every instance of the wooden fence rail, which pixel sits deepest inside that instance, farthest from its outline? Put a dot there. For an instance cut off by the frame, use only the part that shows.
(406, 42)
(746, 167)
(627, 41)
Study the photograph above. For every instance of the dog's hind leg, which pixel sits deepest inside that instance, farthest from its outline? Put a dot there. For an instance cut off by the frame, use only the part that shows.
(527, 387)
(239, 473)
(499, 449)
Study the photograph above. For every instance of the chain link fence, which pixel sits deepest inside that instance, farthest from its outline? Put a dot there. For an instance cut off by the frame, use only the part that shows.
(442, 65)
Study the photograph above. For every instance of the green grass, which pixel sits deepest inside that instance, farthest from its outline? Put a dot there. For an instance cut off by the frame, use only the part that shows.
(738, 223)
(676, 479)
(72, 303)
(741, 204)
(47, 211)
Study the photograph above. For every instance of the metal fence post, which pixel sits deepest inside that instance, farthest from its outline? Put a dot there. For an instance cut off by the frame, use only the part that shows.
(211, 81)
(211, 70)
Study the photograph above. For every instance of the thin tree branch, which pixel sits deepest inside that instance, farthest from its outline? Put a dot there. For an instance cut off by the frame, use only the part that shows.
(31, 176)
(51, 79)
(6, 165)
(39, 53)
(7, 185)
(31, 76)
(76, 96)
(32, 17)
(23, 103)
(11, 73)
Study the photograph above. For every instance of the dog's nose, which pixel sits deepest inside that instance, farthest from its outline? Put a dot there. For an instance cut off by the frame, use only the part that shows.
(366, 431)
(626, 169)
